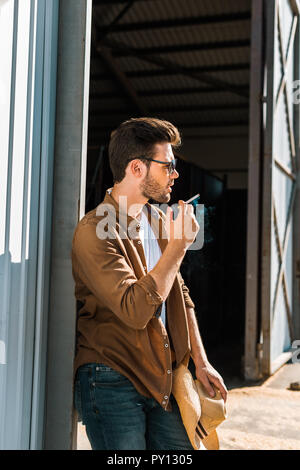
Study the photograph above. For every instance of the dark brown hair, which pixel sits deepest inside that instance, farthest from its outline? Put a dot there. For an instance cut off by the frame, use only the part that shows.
(137, 137)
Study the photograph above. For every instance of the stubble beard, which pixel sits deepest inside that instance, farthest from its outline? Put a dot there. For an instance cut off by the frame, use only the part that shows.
(150, 189)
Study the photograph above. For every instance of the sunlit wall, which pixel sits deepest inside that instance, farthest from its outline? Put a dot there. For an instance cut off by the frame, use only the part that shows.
(28, 50)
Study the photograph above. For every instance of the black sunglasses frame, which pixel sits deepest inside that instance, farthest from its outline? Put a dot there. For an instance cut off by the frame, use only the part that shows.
(171, 165)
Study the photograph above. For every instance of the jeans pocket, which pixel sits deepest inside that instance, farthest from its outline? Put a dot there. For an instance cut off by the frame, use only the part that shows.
(108, 377)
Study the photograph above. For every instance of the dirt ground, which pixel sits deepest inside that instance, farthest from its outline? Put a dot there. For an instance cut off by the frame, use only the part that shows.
(264, 417)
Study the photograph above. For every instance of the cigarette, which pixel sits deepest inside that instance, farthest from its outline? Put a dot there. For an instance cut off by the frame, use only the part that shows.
(192, 198)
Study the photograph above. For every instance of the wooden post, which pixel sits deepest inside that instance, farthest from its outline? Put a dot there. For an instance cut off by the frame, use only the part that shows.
(254, 193)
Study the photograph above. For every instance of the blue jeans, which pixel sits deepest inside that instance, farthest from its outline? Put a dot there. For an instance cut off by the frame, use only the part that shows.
(117, 417)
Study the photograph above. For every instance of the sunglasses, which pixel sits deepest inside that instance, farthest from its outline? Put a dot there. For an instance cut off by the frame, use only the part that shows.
(171, 166)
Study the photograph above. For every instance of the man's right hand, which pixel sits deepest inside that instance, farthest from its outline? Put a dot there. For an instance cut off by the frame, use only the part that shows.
(181, 233)
(183, 230)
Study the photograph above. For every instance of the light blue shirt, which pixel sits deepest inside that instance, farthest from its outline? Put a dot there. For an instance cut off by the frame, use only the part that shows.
(151, 249)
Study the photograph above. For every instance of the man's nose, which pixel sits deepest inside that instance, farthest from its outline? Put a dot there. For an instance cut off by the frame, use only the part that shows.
(175, 174)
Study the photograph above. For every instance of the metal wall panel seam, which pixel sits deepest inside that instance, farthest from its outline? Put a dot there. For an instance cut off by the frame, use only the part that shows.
(51, 8)
(36, 156)
(27, 302)
(85, 111)
(7, 276)
(17, 312)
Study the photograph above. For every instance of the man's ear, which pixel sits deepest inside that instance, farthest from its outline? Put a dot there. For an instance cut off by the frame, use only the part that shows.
(136, 167)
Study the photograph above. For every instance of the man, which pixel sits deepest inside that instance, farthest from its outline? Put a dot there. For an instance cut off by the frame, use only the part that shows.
(137, 321)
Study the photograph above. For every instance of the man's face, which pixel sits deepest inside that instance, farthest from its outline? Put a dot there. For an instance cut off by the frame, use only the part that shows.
(157, 182)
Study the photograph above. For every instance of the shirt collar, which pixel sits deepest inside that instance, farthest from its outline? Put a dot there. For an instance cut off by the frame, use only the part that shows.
(154, 218)
(119, 211)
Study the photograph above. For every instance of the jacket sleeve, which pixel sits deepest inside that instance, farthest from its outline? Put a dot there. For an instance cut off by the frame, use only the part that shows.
(105, 272)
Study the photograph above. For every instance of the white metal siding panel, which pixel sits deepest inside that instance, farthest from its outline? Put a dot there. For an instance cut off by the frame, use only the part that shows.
(279, 187)
(21, 234)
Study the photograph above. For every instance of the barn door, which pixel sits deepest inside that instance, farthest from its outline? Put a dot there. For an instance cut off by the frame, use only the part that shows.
(279, 183)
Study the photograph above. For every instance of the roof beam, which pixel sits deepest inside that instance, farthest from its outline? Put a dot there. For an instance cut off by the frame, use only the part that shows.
(178, 22)
(122, 79)
(170, 91)
(229, 170)
(173, 109)
(186, 125)
(169, 65)
(295, 5)
(164, 72)
(114, 24)
(97, 3)
(105, 54)
(174, 49)
(94, 142)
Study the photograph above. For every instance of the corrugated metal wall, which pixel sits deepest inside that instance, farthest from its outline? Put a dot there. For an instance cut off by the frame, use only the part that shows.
(28, 53)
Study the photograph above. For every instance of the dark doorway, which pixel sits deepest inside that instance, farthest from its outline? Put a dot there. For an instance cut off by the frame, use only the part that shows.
(187, 62)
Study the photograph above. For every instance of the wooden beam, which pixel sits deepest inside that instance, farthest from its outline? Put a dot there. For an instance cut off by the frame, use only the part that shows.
(162, 73)
(283, 87)
(94, 139)
(295, 6)
(170, 65)
(114, 24)
(279, 361)
(286, 170)
(121, 78)
(178, 22)
(281, 276)
(183, 125)
(252, 326)
(218, 135)
(286, 56)
(168, 92)
(98, 3)
(175, 49)
(267, 201)
(296, 209)
(173, 109)
(229, 170)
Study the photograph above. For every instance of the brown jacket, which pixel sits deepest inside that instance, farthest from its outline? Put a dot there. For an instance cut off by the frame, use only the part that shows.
(119, 320)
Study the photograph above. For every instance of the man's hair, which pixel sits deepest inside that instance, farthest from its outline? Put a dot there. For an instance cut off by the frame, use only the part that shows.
(135, 138)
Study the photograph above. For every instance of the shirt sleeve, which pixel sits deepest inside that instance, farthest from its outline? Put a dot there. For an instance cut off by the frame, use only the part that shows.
(104, 270)
(187, 299)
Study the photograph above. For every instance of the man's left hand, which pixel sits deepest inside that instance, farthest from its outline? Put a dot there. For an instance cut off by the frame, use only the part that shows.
(207, 375)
